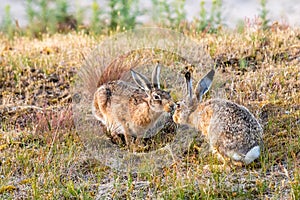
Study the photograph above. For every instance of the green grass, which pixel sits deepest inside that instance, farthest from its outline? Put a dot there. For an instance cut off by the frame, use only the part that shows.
(43, 157)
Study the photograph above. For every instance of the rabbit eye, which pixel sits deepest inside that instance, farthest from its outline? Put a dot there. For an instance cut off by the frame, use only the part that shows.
(177, 105)
(156, 97)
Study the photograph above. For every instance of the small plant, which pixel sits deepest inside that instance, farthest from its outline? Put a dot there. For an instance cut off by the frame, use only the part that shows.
(79, 13)
(216, 14)
(210, 21)
(123, 14)
(44, 14)
(96, 25)
(203, 23)
(64, 21)
(61, 10)
(161, 13)
(7, 22)
(30, 11)
(240, 27)
(49, 16)
(38, 14)
(167, 13)
(180, 14)
(264, 15)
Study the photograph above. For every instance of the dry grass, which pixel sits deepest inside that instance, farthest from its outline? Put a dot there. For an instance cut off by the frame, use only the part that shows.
(41, 155)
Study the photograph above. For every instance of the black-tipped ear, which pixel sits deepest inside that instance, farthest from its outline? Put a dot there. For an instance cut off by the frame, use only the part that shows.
(204, 85)
(155, 76)
(141, 80)
(189, 86)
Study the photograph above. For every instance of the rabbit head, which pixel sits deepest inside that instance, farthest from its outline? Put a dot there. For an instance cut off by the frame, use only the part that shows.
(189, 104)
(158, 100)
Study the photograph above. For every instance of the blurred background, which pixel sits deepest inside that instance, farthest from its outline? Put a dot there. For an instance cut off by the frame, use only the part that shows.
(103, 15)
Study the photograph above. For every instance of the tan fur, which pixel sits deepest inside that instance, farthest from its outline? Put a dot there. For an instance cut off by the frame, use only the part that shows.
(125, 109)
(233, 133)
(203, 113)
(216, 119)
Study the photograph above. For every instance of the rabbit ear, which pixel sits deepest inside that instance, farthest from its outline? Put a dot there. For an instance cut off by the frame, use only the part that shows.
(141, 80)
(204, 85)
(189, 85)
(155, 76)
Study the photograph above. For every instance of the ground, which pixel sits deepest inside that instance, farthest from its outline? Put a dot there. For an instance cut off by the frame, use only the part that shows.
(43, 156)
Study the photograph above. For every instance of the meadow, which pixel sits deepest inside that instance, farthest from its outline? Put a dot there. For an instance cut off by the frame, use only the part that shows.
(42, 155)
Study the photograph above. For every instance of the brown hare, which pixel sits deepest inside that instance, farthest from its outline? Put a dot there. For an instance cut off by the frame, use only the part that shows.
(233, 133)
(129, 110)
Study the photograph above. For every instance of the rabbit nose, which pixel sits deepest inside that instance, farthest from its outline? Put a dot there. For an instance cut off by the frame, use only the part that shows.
(169, 107)
(172, 106)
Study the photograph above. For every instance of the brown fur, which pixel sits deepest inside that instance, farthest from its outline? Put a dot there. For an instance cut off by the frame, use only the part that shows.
(126, 109)
(203, 114)
(228, 127)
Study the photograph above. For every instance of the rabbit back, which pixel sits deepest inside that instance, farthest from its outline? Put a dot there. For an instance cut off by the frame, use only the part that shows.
(231, 129)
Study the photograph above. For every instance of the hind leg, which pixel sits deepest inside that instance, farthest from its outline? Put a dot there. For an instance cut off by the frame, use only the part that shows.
(140, 146)
(232, 161)
(132, 146)
(127, 135)
(220, 167)
(117, 139)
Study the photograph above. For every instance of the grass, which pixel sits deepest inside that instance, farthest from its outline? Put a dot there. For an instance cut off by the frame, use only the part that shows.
(42, 155)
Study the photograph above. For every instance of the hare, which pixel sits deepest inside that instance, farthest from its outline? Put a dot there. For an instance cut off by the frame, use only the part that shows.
(129, 110)
(233, 133)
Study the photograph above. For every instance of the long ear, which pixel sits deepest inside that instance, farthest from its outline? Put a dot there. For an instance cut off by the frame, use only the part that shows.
(204, 85)
(189, 86)
(141, 80)
(155, 76)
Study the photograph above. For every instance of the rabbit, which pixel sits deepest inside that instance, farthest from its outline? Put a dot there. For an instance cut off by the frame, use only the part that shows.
(233, 133)
(130, 110)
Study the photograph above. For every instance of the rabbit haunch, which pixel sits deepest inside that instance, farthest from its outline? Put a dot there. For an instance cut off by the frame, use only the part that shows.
(212, 119)
(129, 110)
(231, 130)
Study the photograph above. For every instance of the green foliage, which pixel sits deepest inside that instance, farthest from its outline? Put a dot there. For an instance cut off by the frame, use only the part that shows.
(38, 15)
(31, 13)
(203, 23)
(7, 22)
(96, 25)
(54, 15)
(161, 13)
(123, 14)
(209, 21)
(167, 13)
(240, 27)
(264, 14)
(180, 14)
(49, 16)
(79, 13)
(61, 10)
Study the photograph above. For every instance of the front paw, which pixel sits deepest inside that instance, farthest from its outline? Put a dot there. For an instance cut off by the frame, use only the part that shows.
(138, 146)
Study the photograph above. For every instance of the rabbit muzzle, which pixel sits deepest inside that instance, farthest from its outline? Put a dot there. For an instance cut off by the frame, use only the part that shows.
(181, 113)
(169, 107)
